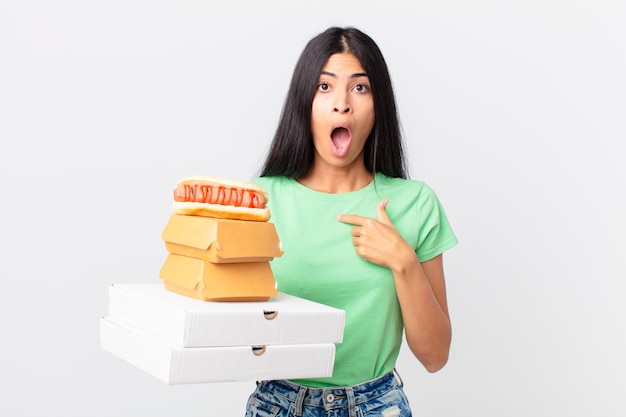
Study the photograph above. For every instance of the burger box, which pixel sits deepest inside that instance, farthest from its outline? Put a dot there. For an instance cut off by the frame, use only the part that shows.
(221, 240)
(181, 340)
(208, 281)
(178, 365)
(187, 322)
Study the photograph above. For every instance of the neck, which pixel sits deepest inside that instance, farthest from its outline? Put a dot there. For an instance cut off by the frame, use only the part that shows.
(337, 181)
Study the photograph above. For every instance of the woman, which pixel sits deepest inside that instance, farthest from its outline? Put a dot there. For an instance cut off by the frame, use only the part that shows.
(356, 233)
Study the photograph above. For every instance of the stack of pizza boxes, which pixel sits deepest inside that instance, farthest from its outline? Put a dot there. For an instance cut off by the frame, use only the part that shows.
(218, 315)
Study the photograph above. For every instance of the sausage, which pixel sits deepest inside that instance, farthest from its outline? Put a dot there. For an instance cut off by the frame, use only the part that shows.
(219, 194)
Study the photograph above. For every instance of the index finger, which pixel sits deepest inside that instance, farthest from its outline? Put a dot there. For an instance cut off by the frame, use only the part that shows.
(351, 219)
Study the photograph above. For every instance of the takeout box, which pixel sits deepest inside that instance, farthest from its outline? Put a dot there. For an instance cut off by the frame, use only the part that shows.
(186, 322)
(221, 240)
(208, 281)
(180, 340)
(178, 365)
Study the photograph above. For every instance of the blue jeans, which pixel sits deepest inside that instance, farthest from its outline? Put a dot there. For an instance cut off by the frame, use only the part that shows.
(381, 397)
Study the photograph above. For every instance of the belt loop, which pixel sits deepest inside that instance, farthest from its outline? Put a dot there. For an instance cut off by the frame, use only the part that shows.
(395, 371)
(351, 402)
(300, 400)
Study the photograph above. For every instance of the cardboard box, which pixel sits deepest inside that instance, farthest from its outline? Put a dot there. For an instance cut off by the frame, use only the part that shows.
(177, 365)
(186, 322)
(221, 240)
(208, 281)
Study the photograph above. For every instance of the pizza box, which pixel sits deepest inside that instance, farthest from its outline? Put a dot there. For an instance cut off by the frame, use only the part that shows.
(179, 365)
(187, 322)
(221, 240)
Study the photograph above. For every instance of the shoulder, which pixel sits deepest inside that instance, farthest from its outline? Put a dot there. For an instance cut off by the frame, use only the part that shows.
(404, 186)
(270, 182)
(274, 185)
(409, 194)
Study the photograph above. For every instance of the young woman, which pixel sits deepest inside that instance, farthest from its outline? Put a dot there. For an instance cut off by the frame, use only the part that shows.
(356, 233)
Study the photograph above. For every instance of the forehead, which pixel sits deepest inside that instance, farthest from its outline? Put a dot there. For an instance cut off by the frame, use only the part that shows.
(343, 63)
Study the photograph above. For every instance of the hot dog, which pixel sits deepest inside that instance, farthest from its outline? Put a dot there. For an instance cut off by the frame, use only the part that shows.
(202, 195)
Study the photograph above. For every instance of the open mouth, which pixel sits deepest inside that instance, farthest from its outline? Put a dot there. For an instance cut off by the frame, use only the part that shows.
(340, 137)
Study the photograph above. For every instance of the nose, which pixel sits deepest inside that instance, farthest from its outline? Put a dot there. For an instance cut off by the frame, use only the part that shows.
(342, 108)
(341, 103)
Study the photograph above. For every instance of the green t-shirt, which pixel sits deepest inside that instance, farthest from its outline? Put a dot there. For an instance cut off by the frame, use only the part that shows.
(320, 263)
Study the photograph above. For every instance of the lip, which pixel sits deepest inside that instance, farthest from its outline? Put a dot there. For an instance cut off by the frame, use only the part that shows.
(345, 125)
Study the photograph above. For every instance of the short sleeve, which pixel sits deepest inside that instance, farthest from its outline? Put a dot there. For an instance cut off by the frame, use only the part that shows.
(435, 235)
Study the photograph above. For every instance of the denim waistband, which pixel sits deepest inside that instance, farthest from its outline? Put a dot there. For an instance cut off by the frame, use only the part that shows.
(332, 397)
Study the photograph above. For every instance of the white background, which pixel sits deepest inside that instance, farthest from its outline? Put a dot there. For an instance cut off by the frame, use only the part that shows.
(513, 111)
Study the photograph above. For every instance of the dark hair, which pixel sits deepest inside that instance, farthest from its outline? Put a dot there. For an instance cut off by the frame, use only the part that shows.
(291, 151)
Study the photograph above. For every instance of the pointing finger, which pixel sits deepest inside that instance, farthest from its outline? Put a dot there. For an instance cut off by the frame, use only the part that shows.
(350, 219)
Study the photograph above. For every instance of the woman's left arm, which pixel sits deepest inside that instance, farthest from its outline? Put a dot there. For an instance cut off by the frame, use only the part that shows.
(421, 292)
(420, 286)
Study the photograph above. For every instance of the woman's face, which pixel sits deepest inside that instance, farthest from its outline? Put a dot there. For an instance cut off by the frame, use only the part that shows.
(342, 114)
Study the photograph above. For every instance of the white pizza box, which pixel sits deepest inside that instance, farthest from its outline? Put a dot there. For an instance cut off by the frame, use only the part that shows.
(179, 365)
(188, 322)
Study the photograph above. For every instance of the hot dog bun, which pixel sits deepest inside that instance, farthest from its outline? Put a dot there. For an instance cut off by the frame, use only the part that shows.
(203, 195)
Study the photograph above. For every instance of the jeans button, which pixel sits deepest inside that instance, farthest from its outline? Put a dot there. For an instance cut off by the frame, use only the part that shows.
(330, 398)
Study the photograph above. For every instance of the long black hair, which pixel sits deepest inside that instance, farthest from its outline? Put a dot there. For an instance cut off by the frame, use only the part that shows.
(291, 151)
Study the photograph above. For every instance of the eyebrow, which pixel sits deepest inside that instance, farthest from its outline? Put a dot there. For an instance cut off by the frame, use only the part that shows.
(355, 75)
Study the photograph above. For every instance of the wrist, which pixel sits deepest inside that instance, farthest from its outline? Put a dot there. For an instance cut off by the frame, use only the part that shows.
(405, 262)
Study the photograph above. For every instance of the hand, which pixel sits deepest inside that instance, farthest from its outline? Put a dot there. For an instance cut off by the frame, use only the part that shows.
(378, 241)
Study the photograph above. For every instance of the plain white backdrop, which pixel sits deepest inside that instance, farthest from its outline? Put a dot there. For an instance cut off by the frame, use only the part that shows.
(513, 111)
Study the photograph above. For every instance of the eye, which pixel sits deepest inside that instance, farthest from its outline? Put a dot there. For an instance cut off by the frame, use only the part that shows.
(361, 88)
(323, 86)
